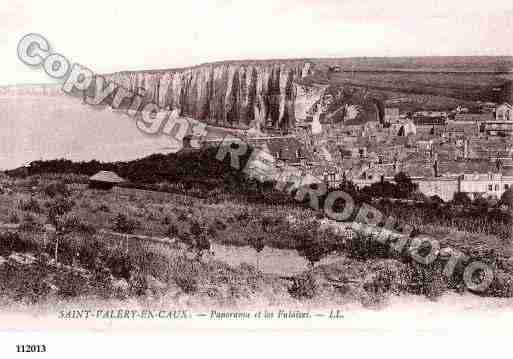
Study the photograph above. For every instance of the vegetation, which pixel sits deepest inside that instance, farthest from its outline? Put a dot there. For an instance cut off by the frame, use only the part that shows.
(220, 205)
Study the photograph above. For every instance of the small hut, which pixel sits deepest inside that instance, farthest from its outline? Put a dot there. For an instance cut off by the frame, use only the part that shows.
(104, 180)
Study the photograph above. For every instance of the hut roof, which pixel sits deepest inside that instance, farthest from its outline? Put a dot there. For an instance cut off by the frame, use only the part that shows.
(106, 176)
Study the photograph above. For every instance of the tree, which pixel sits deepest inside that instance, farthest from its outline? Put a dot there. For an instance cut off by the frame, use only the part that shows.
(461, 198)
(313, 252)
(59, 208)
(405, 186)
(507, 198)
(200, 238)
(258, 245)
(311, 243)
(436, 199)
(480, 201)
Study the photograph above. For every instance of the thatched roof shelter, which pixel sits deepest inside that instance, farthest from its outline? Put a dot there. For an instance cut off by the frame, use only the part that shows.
(105, 180)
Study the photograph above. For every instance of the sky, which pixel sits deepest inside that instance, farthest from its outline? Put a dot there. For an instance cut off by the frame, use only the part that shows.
(112, 35)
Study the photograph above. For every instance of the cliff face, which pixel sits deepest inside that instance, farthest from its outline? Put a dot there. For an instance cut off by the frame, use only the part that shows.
(227, 94)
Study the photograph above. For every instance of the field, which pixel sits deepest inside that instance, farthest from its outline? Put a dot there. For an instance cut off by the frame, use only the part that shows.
(69, 245)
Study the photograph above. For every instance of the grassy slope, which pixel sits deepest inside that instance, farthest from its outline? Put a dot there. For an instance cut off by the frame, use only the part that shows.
(366, 275)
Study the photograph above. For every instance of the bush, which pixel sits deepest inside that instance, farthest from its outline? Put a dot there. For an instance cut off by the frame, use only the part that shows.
(461, 198)
(58, 207)
(103, 208)
(502, 285)
(13, 218)
(187, 283)
(30, 205)
(12, 242)
(56, 188)
(29, 223)
(426, 280)
(72, 285)
(119, 263)
(507, 198)
(24, 283)
(138, 284)
(124, 224)
(389, 276)
(72, 223)
(364, 246)
(304, 287)
(185, 274)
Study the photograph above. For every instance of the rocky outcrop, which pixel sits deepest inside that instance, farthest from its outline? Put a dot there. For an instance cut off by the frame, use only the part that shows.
(237, 95)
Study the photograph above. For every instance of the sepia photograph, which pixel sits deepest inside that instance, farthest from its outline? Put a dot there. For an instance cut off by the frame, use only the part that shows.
(296, 166)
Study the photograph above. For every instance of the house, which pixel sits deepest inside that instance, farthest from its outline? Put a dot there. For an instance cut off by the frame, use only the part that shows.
(432, 114)
(473, 117)
(104, 180)
(287, 149)
(429, 121)
(391, 115)
(485, 184)
(503, 123)
(403, 128)
(504, 113)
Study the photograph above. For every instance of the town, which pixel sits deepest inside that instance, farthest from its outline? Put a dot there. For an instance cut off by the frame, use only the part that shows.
(444, 152)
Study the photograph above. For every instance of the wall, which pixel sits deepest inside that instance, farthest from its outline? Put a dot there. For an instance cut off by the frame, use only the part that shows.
(443, 188)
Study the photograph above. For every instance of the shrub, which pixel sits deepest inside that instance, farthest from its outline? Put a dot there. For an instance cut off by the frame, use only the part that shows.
(304, 287)
(138, 284)
(119, 263)
(502, 285)
(72, 223)
(103, 208)
(29, 223)
(56, 188)
(24, 283)
(30, 205)
(313, 252)
(72, 285)
(185, 274)
(187, 283)
(172, 231)
(59, 207)
(244, 216)
(364, 246)
(12, 242)
(13, 218)
(461, 198)
(426, 280)
(257, 243)
(219, 225)
(124, 224)
(389, 276)
(507, 198)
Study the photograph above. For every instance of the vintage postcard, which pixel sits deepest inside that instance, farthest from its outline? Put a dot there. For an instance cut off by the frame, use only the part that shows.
(296, 165)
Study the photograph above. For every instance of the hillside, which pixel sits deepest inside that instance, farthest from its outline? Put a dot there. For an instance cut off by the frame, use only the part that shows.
(236, 93)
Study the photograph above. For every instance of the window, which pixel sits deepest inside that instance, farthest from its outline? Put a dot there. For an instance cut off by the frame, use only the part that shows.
(496, 187)
(490, 187)
(506, 187)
